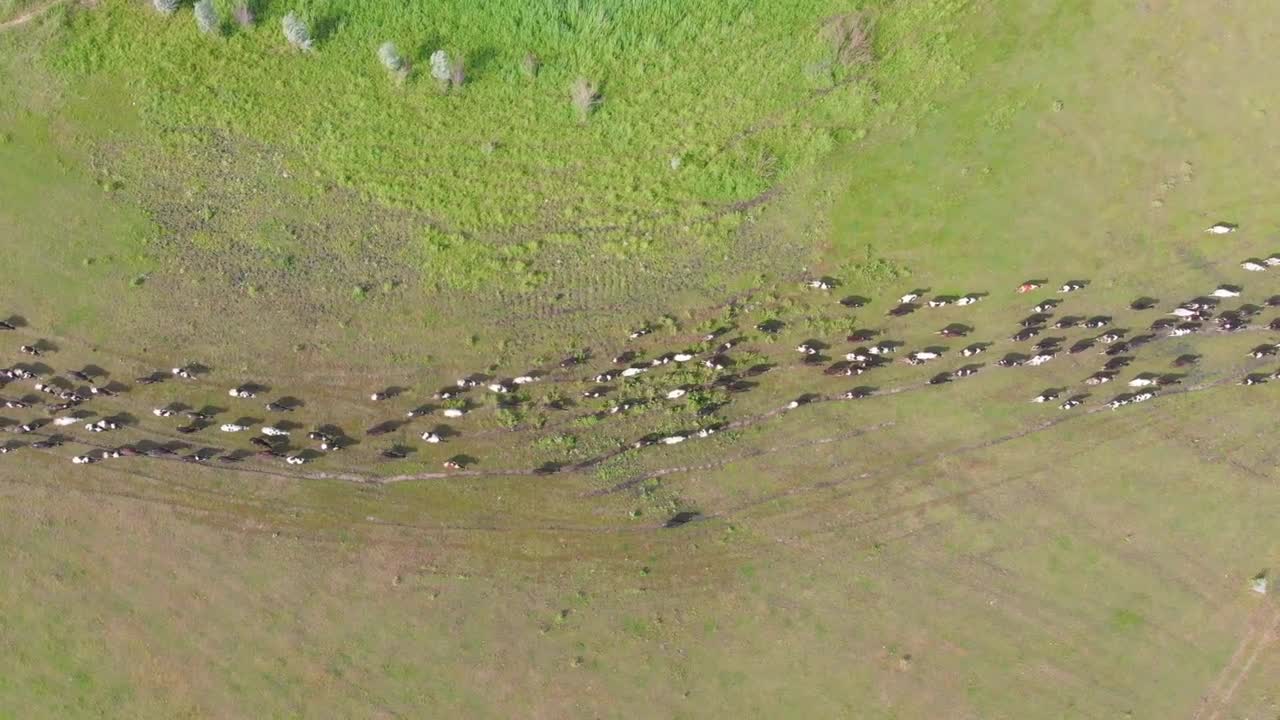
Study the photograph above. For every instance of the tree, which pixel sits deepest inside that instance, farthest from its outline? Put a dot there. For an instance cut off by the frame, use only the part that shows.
(244, 15)
(207, 17)
(296, 32)
(165, 7)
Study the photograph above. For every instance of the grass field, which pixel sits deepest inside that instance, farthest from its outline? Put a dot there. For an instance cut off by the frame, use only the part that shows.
(954, 551)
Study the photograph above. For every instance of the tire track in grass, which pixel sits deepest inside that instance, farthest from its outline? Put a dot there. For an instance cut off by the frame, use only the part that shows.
(1262, 630)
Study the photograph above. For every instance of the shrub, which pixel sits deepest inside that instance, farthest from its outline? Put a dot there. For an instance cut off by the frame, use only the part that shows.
(441, 68)
(296, 32)
(244, 15)
(206, 17)
(585, 95)
(530, 65)
(390, 57)
(165, 7)
(850, 38)
(458, 74)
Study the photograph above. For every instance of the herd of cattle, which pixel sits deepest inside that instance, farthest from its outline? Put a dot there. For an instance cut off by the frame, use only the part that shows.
(60, 399)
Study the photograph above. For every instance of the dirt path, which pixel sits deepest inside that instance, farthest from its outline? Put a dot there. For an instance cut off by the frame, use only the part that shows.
(29, 15)
(1263, 630)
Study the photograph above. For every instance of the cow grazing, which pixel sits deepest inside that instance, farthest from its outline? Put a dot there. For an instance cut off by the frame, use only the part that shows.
(1222, 228)
(1068, 322)
(921, 357)
(1098, 321)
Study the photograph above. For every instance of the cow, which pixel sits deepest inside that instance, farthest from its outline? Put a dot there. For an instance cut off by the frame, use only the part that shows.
(972, 350)
(233, 428)
(1225, 291)
(1097, 321)
(270, 431)
(1027, 287)
(1222, 228)
(1046, 396)
(453, 412)
(163, 412)
(431, 437)
(1254, 265)
(1071, 286)
(1070, 403)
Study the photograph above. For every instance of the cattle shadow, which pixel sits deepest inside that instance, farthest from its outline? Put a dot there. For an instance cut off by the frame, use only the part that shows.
(863, 391)
(759, 369)
(1081, 346)
(465, 460)
(1186, 360)
(397, 452)
(682, 518)
(863, 335)
(771, 327)
(548, 468)
(941, 378)
(902, 310)
(124, 419)
(17, 321)
(383, 428)
(854, 301)
(247, 421)
(1144, 303)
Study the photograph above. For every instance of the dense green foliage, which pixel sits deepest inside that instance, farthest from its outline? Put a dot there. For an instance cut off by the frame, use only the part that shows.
(707, 102)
